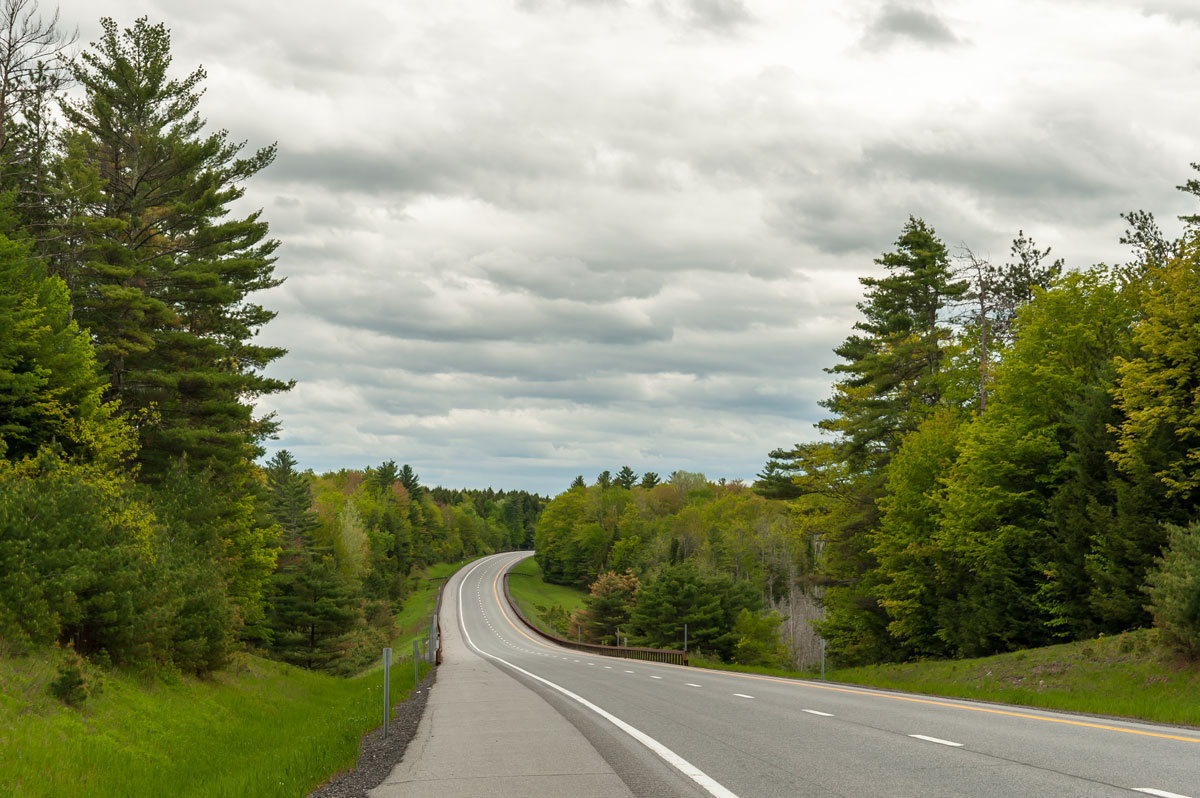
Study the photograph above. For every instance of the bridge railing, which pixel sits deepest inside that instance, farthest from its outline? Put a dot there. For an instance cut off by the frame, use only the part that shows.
(672, 656)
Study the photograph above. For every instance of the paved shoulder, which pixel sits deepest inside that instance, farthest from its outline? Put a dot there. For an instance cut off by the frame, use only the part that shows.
(485, 734)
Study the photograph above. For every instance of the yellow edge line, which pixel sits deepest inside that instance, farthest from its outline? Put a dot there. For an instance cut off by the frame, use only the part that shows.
(852, 691)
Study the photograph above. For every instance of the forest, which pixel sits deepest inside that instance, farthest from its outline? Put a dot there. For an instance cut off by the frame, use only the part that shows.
(1011, 458)
(1010, 455)
(137, 527)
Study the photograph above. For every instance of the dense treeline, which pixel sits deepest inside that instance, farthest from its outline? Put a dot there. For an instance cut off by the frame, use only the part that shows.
(349, 541)
(1007, 450)
(135, 524)
(657, 556)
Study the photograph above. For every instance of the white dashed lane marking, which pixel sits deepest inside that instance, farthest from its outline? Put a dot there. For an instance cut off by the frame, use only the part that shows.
(815, 712)
(690, 684)
(937, 740)
(743, 695)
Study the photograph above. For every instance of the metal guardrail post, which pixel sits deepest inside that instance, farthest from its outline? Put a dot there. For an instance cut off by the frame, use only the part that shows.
(387, 685)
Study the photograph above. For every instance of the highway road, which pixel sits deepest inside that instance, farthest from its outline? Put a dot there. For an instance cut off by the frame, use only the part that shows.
(670, 730)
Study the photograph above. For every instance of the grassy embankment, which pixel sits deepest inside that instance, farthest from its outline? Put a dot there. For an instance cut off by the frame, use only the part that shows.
(258, 728)
(530, 592)
(1128, 675)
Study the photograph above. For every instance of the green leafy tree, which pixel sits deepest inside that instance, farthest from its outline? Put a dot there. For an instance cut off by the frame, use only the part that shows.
(912, 565)
(1028, 502)
(758, 640)
(49, 391)
(1156, 390)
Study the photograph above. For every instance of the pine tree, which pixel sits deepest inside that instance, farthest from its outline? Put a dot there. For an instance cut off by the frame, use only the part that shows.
(626, 478)
(313, 610)
(289, 497)
(893, 378)
(411, 482)
(161, 274)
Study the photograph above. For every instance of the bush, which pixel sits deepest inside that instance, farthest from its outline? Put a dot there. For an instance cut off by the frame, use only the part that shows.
(1174, 590)
(72, 685)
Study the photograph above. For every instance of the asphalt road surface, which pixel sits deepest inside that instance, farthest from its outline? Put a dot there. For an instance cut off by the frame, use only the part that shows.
(668, 730)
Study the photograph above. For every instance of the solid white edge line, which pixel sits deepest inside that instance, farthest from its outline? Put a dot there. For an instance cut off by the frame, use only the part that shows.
(708, 783)
(1159, 793)
(937, 740)
(817, 712)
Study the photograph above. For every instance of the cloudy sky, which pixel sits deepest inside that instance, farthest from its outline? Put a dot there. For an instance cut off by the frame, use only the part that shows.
(529, 239)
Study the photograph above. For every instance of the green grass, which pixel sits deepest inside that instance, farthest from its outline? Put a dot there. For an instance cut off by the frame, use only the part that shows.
(259, 728)
(1128, 675)
(529, 591)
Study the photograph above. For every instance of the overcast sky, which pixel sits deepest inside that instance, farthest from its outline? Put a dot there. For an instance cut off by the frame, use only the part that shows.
(529, 239)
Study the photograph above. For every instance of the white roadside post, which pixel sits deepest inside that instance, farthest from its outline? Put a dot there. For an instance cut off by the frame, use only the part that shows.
(387, 679)
(416, 663)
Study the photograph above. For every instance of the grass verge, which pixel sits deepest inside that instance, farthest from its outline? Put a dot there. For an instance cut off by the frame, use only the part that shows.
(530, 592)
(1128, 675)
(258, 728)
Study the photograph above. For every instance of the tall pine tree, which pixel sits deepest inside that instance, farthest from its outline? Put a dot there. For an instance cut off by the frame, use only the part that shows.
(162, 271)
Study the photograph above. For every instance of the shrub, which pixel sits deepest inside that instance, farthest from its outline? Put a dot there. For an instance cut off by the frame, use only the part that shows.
(72, 685)
(1174, 590)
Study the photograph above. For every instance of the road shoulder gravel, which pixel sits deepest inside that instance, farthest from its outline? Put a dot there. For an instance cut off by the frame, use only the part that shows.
(378, 756)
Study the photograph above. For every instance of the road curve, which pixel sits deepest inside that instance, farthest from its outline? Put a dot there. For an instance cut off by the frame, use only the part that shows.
(671, 730)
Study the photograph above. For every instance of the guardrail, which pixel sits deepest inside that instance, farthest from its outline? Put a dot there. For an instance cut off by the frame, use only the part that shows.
(629, 652)
(437, 619)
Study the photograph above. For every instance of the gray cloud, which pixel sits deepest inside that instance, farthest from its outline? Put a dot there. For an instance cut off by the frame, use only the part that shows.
(896, 23)
(1177, 10)
(528, 240)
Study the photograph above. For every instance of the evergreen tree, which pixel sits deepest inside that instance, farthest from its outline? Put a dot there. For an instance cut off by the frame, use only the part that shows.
(411, 482)
(578, 482)
(649, 480)
(893, 377)
(160, 273)
(382, 478)
(608, 606)
(313, 609)
(289, 497)
(626, 478)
